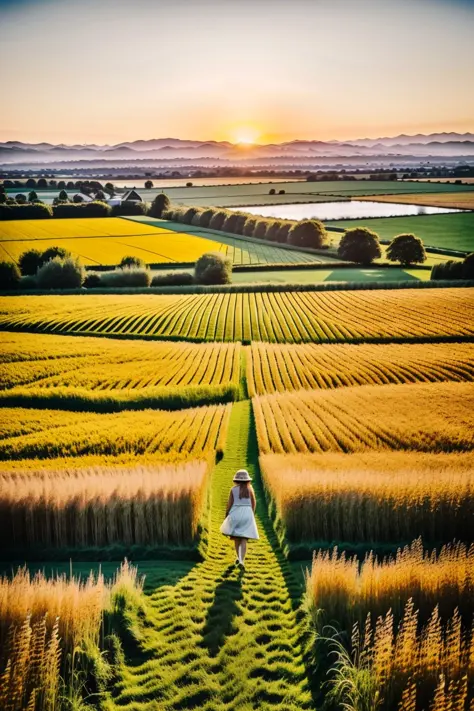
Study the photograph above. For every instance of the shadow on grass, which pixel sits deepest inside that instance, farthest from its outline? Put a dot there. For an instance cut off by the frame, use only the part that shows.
(220, 616)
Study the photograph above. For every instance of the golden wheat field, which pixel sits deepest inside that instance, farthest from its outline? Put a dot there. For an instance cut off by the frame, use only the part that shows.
(46, 625)
(372, 496)
(426, 417)
(282, 317)
(285, 367)
(177, 436)
(88, 373)
(101, 506)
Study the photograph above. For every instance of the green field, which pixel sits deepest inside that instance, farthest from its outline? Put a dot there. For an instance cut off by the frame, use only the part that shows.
(454, 231)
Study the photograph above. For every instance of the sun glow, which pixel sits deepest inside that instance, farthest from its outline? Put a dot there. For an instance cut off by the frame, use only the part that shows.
(246, 135)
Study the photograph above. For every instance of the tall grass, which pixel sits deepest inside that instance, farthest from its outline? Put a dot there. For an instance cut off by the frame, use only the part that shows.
(50, 629)
(340, 589)
(372, 497)
(100, 506)
(404, 668)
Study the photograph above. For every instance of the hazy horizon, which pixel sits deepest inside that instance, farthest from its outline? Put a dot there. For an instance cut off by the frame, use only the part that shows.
(256, 71)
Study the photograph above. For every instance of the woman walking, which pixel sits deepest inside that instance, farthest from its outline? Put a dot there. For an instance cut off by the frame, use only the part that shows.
(239, 523)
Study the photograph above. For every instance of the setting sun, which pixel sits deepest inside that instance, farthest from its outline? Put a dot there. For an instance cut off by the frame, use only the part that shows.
(246, 135)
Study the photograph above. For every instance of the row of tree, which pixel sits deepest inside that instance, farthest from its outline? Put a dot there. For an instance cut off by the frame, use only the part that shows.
(359, 245)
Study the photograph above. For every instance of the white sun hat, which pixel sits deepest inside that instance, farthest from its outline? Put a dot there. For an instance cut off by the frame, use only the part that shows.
(242, 475)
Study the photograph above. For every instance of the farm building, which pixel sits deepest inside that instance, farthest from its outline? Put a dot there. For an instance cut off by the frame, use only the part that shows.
(131, 196)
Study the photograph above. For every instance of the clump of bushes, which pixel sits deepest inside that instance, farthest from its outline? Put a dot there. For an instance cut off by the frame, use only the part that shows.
(406, 249)
(452, 269)
(308, 233)
(217, 220)
(31, 260)
(127, 277)
(160, 204)
(30, 211)
(83, 209)
(60, 273)
(129, 207)
(9, 276)
(359, 245)
(172, 279)
(131, 262)
(213, 268)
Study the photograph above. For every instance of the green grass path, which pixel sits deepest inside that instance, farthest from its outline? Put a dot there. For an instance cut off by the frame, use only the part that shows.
(218, 639)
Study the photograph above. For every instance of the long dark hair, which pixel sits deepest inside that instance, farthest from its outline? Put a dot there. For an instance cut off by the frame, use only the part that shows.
(244, 489)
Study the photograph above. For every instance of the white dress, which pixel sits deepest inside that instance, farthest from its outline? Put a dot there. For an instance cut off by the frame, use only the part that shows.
(241, 521)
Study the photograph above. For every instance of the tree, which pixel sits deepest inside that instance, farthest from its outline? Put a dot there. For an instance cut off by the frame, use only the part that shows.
(100, 196)
(205, 217)
(53, 252)
(131, 262)
(308, 233)
(189, 185)
(148, 184)
(60, 273)
(30, 261)
(42, 183)
(53, 183)
(468, 267)
(21, 199)
(360, 245)
(272, 191)
(217, 220)
(31, 183)
(261, 229)
(110, 187)
(213, 268)
(406, 249)
(62, 195)
(249, 227)
(61, 185)
(160, 203)
(77, 198)
(273, 231)
(284, 232)
(9, 276)
(230, 225)
(32, 196)
(70, 185)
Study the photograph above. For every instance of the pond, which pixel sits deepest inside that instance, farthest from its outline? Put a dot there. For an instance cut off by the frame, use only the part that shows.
(347, 210)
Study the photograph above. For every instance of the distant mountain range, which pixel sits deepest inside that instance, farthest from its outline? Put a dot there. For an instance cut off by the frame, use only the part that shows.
(424, 147)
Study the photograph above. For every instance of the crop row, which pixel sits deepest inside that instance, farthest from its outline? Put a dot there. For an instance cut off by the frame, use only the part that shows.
(179, 435)
(279, 368)
(84, 373)
(426, 417)
(262, 316)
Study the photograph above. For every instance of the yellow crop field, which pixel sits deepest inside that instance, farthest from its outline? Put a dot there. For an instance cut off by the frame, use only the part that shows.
(461, 200)
(372, 496)
(426, 417)
(48, 626)
(388, 315)
(283, 367)
(180, 435)
(101, 506)
(103, 240)
(100, 372)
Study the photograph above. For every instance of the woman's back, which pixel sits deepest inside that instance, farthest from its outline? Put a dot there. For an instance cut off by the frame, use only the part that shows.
(238, 501)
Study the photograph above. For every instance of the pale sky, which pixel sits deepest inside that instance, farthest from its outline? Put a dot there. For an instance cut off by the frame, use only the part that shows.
(266, 70)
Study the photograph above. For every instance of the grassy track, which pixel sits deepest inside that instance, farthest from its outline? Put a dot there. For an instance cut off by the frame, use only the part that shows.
(218, 640)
